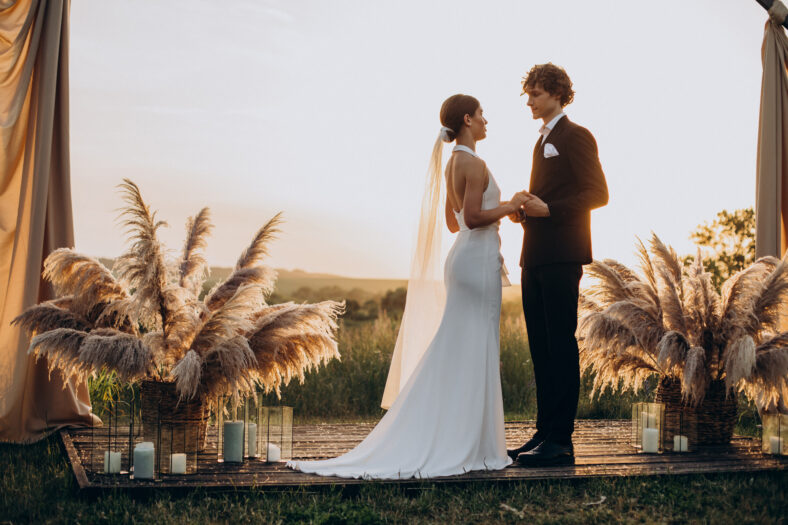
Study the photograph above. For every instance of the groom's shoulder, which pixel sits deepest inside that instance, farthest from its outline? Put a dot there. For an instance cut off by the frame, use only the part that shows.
(577, 132)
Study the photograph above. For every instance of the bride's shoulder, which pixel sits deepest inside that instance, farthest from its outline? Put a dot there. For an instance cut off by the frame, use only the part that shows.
(463, 161)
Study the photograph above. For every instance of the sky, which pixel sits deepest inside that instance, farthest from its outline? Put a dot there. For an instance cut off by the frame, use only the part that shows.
(328, 110)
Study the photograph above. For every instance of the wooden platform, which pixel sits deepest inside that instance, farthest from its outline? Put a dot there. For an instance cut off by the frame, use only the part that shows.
(602, 449)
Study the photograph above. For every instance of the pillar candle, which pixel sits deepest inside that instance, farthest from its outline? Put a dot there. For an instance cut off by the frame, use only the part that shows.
(776, 445)
(178, 464)
(252, 439)
(111, 462)
(143, 461)
(650, 440)
(680, 444)
(234, 441)
(274, 454)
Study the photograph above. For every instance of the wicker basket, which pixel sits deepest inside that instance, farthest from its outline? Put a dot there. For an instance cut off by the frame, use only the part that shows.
(161, 408)
(709, 424)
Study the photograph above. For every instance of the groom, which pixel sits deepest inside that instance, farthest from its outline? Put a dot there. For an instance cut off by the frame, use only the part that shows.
(567, 182)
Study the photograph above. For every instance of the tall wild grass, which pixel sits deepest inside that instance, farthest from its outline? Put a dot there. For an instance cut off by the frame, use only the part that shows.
(351, 388)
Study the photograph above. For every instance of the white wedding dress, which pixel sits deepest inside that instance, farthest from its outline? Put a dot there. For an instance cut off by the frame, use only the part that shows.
(448, 417)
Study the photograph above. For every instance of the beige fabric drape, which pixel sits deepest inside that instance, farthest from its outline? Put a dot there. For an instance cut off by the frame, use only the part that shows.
(771, 232)
(35, 208)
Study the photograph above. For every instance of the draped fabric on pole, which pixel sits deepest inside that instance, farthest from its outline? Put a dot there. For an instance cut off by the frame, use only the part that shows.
(35, 209)
(771, 237)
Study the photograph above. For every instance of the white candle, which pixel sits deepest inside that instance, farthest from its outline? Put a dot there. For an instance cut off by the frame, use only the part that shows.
(680, 444)
(178, 464)
(111, 462)
(234, 441)
(143, 461)
(650, 440)
(776, 445)
(252, 439)
(274, 454)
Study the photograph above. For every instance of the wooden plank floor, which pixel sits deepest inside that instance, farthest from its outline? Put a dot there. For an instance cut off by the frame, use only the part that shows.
(601, 449)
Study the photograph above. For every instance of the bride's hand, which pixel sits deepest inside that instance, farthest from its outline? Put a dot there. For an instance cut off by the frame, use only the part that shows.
(518, 199)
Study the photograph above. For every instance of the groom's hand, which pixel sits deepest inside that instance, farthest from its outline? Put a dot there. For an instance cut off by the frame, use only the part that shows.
(536, 207)
(517, 216)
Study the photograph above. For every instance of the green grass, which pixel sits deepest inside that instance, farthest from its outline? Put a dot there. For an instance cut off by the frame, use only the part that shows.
(38, 487)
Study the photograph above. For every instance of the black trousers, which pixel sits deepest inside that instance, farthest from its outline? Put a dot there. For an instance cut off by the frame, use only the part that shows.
(550, 295)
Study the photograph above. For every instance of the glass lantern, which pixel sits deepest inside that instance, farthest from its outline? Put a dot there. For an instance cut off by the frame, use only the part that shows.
(680, 431)
(111, 443)
(145, 457)
(232, 418)
(256, 422)
(775, 434)
(278, 425)
(177, 450)
(647, 427)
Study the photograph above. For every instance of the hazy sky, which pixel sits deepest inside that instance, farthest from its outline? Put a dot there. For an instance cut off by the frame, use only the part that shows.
(327, 111)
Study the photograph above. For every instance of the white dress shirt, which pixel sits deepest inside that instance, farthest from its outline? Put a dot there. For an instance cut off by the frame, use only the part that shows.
(547, 128)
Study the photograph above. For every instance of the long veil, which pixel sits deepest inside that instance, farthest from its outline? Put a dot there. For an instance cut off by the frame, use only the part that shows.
(426, 295)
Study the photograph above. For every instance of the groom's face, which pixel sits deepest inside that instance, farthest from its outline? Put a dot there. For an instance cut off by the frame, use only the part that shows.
(542, 103)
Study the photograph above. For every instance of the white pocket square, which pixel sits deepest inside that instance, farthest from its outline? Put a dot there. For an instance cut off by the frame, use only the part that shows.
(550, 151)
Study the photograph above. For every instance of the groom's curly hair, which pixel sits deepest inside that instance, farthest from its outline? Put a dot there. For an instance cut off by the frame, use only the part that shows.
(553, 79)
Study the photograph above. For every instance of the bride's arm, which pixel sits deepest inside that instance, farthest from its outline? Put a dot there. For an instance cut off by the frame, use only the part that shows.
(451, 219)
(474, 215)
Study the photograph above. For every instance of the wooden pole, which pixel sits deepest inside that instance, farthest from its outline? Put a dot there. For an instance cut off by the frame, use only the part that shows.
(767, 4)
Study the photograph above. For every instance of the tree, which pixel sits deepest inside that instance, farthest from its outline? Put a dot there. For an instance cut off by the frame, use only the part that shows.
(729, 243)
(394, 302)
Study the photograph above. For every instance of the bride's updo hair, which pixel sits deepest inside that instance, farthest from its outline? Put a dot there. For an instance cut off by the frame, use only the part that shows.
(453, 113)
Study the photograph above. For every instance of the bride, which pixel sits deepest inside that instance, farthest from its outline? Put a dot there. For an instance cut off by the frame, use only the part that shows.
(443, 392)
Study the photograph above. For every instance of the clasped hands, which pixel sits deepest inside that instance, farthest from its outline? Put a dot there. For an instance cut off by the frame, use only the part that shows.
(526, 203)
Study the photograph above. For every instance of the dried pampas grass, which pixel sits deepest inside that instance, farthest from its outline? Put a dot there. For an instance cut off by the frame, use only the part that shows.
(187, 374)
(228, 343)
(259, 247)
(143, 267)
(262, 277)
(673, 322)
(45, 317)
(291, 339)
(740, 361)
(193, 267)
(110, 349)
(88, 283)
(60, 347)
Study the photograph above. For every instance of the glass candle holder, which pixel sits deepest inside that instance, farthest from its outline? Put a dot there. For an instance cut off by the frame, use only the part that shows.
(647, 427)
(112, 440)
(145, 455)
(232, 415)
(278, 424)
(775, 434)
(254, 435)
(178, 449)
(679, 432)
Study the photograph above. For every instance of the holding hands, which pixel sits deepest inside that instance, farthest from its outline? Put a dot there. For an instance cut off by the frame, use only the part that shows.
(524, 204)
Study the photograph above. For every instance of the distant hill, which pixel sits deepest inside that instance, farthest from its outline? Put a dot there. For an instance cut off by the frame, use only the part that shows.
(291, 280)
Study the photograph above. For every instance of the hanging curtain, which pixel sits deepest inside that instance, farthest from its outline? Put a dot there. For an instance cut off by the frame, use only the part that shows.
(35, 209)
(771, 232)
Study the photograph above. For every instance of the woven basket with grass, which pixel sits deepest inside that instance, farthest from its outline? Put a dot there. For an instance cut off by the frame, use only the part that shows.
(709, 423)
(163, 409)
(706, 345)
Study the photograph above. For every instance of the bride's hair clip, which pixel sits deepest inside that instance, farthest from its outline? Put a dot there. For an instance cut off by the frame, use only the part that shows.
(447, 134)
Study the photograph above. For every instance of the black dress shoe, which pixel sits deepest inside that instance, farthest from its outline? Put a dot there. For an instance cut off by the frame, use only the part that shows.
(548, 454)
(529, 445)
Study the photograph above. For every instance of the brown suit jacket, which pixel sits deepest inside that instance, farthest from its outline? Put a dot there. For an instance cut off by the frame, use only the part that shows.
(571, 184)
